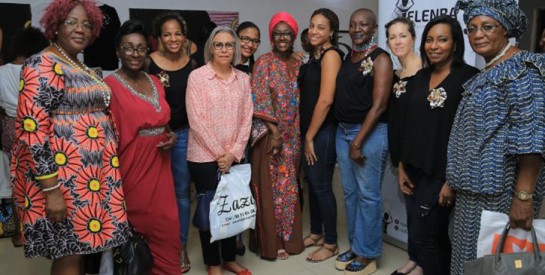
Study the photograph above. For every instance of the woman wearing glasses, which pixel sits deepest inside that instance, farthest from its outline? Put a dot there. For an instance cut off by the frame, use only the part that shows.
(219, 109)
(275, 144)
(65, 168)
(141, 115)
(248, 33)
(495, 154)
(172, 66)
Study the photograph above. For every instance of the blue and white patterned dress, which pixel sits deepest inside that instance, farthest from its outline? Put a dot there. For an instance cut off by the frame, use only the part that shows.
(501, 116)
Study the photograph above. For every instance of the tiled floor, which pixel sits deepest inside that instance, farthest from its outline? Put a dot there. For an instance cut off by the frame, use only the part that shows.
(12, 261)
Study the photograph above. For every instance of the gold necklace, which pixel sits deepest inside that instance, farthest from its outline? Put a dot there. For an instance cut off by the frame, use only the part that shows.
(106, 96)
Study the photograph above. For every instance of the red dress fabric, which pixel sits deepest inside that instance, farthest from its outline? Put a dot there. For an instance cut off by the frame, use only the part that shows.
(146, 171)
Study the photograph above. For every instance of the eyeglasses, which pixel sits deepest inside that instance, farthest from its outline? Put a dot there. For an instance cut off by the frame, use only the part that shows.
(247, 39)
(129, 50)
(277, 35)
(221, 45)
(73, 23)
(487, 28)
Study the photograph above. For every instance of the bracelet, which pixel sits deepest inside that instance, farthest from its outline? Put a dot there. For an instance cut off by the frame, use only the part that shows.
(277, 137)
(52, 187)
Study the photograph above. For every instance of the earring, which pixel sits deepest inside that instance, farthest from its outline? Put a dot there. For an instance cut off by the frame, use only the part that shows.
(56, 32)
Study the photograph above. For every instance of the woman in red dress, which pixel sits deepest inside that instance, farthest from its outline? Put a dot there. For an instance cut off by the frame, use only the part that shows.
(141, 115)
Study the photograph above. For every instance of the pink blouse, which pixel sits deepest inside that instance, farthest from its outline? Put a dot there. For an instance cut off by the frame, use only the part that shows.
(220, 114)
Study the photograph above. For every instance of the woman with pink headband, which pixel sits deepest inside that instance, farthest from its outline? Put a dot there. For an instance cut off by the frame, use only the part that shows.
(275, 143)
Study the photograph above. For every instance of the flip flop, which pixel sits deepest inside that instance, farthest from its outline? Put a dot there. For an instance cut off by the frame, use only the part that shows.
(282, 255)
(313, 241)
(334, 251)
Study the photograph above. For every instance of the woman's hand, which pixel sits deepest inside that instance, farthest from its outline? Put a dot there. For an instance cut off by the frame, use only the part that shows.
(299, 55)
(355, 154)
(225, 161)
(169, 143)
(405, 183)
(521, 214)
(276, 145)
(446, 196)
(309, 152)
(55, 206)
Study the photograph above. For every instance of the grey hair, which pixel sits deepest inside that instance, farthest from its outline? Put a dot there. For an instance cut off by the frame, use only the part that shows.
(208, 46)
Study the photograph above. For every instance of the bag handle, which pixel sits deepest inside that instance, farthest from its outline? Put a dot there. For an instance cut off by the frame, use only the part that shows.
(505, 233)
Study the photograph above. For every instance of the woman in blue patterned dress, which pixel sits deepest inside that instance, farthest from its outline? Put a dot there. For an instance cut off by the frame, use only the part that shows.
(495, 154)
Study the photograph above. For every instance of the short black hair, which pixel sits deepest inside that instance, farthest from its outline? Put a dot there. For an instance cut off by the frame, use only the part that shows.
(457, 37)
(333, 23)
(27, 42)
(403, 20)
(129, 27)
(167, 16)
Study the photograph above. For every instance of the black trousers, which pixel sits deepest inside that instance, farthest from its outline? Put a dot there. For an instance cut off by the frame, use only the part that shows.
(205, 176)
(429, 244)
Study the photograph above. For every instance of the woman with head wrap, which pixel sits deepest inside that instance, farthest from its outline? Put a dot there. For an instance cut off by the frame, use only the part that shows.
(495, 154)
(275, 143)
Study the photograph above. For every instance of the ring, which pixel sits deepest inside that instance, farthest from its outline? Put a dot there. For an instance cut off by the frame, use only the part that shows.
(448, 202)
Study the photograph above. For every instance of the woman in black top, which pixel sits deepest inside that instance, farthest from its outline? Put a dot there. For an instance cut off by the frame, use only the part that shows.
(318, 127)
(363, 88)
(401, 38)
(248, 34)
(434, 94)
(172, 66)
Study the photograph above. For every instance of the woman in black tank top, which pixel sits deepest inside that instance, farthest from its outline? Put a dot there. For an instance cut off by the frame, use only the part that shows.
(318, 128)
(363, 88)
(172, 65)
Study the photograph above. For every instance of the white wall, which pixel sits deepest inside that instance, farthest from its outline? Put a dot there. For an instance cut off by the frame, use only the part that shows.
(257, 11)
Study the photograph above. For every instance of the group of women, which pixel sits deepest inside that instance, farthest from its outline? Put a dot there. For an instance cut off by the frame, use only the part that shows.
(94, 157)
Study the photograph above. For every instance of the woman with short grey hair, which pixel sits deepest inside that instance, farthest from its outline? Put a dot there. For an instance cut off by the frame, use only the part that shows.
(219, 108)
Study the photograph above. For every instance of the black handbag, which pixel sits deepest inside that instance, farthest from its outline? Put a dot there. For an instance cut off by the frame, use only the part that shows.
(522, 263)
(133, 257)
(201, 218)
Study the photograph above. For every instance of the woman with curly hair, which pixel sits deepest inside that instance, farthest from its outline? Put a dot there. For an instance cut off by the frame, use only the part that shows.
(65, 165)
(172, 65)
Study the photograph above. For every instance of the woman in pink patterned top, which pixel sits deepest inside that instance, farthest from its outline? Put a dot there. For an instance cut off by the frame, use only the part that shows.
(219, 109)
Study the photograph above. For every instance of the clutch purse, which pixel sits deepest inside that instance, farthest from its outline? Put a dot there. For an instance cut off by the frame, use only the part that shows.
(521, 263)
(133, 257)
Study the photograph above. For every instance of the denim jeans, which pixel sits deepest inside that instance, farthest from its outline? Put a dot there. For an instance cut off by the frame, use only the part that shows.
(361, 187)
(428, 224)
(323, 206)
(182, 178)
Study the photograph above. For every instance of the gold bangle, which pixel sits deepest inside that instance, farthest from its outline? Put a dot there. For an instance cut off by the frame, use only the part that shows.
(277, 137)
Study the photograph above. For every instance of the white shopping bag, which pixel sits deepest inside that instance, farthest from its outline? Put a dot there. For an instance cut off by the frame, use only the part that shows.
(518, 240)
(233, 208)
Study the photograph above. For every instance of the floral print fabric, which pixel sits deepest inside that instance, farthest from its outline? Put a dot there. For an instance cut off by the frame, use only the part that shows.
(63, 131)
(276, 99)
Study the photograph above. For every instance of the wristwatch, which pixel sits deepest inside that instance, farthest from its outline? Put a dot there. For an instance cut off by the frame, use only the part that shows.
(523, 195)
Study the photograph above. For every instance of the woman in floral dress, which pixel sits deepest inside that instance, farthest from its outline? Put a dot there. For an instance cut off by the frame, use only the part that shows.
(275, 153)
(65, 166)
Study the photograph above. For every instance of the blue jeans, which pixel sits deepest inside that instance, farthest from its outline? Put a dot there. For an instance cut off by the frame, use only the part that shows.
(361, 185)
(323, 206)
(182, 178)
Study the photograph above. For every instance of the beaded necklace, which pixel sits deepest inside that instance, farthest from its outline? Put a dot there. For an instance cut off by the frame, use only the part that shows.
(366, 47)
(105, 92)
(500, 55)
